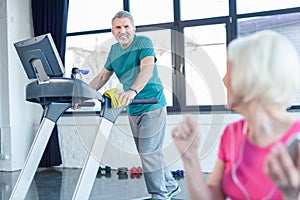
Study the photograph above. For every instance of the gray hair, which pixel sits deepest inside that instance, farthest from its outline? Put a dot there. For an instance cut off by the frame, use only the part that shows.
(123, 14)
(265, 67)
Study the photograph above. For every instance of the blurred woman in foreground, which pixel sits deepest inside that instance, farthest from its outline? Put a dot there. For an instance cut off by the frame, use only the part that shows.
(263, 76)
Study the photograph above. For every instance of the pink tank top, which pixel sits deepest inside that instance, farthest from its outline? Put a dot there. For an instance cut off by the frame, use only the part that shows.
(244, 176)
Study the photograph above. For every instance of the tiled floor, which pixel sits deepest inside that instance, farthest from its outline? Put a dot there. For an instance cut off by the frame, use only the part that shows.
(59, 184)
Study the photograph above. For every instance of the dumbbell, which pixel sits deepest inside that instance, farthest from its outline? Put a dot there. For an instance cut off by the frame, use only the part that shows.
(106, 175)
(178, 174)
(122, 172)
(104, 170)
(136, 172)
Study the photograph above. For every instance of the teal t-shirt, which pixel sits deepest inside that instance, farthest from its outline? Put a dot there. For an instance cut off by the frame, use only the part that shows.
(126, 65)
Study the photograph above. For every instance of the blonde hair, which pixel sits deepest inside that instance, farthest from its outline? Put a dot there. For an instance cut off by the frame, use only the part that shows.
(265, 67)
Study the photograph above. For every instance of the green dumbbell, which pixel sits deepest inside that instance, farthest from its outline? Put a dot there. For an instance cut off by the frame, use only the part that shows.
(104, 170)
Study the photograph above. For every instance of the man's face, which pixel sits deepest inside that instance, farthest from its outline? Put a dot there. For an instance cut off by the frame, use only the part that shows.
(123, 31)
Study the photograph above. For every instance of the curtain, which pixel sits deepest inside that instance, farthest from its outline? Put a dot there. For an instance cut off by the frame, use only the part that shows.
(50, 16)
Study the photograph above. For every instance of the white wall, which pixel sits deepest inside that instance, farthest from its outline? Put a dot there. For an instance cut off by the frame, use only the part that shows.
(17, 117)
(76, 133)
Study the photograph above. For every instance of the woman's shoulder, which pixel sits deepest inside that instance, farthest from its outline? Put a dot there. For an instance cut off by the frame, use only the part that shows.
(235, 129)
(236, 125)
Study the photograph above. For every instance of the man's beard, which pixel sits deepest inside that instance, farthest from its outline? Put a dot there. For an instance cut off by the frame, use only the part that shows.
(121, 39)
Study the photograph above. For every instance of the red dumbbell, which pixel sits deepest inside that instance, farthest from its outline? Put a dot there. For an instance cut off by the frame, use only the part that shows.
(139, 170)
(135, 172)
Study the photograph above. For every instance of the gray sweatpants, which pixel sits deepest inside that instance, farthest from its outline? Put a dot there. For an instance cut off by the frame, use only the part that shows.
(148, 131)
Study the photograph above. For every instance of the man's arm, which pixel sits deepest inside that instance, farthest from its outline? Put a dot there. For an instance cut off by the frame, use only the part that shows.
(100, 80)
(146, 71)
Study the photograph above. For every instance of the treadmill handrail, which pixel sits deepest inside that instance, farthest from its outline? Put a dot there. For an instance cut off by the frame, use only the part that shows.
(144, 101)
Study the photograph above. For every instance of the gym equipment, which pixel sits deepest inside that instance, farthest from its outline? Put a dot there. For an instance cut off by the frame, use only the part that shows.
(107, 175)
(122, 173)
(77, 73)
(105, 170)
(136, 172)
(122, 170)
(41, 62)
(178, 174)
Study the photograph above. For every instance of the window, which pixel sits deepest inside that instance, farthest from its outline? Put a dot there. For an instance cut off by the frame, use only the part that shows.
(246, 6)
(189, 36)
(205, 58)
(162, 44)
(91, 14)
(199, 9)
(151, 12)
(89, 52)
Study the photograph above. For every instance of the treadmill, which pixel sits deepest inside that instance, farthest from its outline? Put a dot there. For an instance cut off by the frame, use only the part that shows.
(56, 94)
